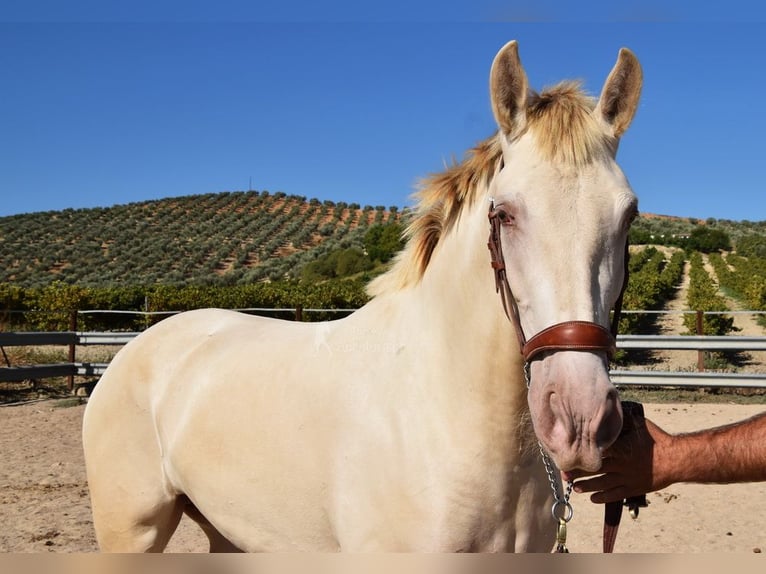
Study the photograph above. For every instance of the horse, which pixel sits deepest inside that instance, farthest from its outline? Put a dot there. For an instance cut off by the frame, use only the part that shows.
(406, 426)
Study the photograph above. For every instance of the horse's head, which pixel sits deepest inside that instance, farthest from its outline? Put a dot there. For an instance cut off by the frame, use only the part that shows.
(563, 208)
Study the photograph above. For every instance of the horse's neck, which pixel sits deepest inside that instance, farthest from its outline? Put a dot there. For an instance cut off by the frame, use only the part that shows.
(474, 378)
(460, 311)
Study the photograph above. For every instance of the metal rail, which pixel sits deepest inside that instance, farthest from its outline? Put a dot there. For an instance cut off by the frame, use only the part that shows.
(691, 342)
(687, 379)
(619, 377)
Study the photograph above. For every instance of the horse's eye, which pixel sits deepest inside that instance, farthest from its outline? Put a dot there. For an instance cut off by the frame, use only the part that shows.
(504, 216)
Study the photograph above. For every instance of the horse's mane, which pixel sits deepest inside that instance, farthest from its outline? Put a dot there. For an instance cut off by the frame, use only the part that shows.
(565, 131)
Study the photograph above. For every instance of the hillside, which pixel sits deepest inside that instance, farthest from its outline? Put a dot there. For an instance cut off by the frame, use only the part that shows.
(663, 228)
(217, 238)
(225, 238)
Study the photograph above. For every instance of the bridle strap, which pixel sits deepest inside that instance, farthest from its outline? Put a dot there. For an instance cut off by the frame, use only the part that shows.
(566, 336)
(501, 278)
(570, 336)
(617, 311)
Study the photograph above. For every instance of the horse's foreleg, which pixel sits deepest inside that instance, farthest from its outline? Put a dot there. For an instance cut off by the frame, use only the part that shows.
(134, 507)
(133, 514)
(137, 532)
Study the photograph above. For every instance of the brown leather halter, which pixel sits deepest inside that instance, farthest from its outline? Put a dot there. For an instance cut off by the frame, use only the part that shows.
(565, 336)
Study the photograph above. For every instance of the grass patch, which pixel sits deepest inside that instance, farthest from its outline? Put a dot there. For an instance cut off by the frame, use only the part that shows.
(36, 355)
(69, 402)
(32, 390)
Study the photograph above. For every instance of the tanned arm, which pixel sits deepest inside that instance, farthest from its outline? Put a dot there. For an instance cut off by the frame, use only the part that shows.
(650, 459)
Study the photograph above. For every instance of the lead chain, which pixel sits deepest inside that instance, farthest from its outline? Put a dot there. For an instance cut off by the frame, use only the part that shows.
(561, 510)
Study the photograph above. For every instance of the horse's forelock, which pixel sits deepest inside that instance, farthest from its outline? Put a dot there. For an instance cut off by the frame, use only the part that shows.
(564, 127)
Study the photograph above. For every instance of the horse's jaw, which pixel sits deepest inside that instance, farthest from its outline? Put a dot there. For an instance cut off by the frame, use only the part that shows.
(575, 409)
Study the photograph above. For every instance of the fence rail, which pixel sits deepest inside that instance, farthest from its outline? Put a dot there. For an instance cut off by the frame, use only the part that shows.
(687, 379)
(699, 343)
(691, 342)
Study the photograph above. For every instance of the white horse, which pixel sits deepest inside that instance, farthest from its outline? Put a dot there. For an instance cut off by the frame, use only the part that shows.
(406, 426)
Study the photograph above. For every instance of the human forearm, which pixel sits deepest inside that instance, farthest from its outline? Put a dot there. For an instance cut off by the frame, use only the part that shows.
(731, 453)
(648, 459)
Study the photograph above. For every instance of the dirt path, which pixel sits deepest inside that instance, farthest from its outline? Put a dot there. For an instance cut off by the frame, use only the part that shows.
(672, 323)
(745, 325)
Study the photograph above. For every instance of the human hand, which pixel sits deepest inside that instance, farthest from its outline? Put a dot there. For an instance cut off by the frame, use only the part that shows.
(637, 463)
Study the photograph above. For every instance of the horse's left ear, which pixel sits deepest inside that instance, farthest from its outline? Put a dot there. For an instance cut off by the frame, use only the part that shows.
(508, 90)
(622, 89)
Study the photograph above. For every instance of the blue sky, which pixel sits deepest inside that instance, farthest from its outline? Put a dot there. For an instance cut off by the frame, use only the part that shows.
(99, 108)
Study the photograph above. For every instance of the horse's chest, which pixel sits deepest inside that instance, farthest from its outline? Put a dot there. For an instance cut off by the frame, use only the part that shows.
(476, 510)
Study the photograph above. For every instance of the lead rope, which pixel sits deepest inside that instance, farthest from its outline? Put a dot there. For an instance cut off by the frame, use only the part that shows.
(561, 510)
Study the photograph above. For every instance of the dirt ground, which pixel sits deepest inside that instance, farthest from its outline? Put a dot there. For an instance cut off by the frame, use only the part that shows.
(44, 504)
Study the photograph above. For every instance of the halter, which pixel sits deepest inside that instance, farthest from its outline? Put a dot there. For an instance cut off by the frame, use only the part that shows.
(564, 336)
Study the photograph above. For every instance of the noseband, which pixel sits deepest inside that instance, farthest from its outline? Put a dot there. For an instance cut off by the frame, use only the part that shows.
(566, 336)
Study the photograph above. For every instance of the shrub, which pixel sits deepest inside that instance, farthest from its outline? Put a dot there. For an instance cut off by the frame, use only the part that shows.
(383, 241)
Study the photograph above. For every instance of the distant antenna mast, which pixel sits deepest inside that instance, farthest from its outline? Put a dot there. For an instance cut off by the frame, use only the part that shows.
(250, 187)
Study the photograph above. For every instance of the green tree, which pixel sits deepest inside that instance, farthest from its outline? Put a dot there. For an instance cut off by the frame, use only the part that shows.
(752, 246)
(640, 236)
(55, 304)
(351, 261)
(338, 263)
(707, 240)
(383, 241)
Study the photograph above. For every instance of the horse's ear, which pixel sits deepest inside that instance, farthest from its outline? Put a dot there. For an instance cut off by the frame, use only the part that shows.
(619, 97)
(508, 89)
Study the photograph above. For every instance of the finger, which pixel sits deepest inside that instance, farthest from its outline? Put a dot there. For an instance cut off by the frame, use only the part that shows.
(570, 475)
(573, 475)
(602, 482)
(609, 466)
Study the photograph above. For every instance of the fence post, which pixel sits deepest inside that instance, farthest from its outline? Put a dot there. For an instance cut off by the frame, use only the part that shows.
(700, 353)
(299, 313)
(73, 328)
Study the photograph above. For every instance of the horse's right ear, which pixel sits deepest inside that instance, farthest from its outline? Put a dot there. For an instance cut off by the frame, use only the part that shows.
(619, 96)
(508, 89)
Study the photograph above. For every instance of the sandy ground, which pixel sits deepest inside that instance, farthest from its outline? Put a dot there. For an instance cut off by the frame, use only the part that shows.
(44, 505)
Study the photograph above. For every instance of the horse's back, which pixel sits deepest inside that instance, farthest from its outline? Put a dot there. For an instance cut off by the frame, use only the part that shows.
(207, 354)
